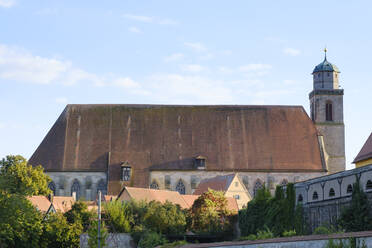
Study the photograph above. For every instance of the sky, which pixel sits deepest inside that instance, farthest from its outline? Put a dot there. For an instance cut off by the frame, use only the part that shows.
(54, 53)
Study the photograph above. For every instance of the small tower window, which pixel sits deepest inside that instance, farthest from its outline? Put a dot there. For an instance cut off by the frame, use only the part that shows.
(369, 184)
(315, 195)
(300, 198)
(331, 192)
(349, 189)
(200, 162)
(329, 116)
(125, 171)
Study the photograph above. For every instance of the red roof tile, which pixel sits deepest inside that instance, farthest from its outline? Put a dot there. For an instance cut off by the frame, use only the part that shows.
(366, 151)
(218, 183)
(40, 202)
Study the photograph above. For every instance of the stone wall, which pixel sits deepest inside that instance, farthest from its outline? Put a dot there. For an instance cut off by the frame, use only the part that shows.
(324, 198)
(191, 179)
(311, 241)
(113, 240)
(88, 183)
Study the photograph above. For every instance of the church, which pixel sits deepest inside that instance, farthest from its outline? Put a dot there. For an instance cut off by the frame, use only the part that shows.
(95, 147)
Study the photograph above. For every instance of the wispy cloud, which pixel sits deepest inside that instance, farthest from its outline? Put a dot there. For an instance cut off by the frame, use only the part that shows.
(174, 57)
(192, 68)
(7, 3)
(18, 64)
(150, 19)
(183, 89)
(135, 30)
(196, 46)
(255, 69)
(61, 100)
(291, 51)
(139, 18)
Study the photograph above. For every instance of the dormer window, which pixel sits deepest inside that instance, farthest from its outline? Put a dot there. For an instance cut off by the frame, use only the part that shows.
(126, 170)
(200, 162)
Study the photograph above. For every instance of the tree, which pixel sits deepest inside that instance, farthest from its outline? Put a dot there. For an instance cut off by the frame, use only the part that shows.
(119, 216)
(254, 217)
(59, 233)
(17, 177)
(79, 213)
(93, 234)
(210, 214)
(20, 223)
(165, 218)
(357, 216)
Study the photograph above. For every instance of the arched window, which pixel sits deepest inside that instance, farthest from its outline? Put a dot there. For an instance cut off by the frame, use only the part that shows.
(300, 198)
(52, 187)
(75, 188)
(101, 187)
(369, 184)
(315, 195)
(181, 187)
(332, 192)
(284, 182)
(154, 185)
(349, 189)
(258, 185)
(329, 110)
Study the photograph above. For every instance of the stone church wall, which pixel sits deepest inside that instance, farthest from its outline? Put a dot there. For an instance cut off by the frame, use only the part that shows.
(88, 182)
(191, 179)
(324, 198)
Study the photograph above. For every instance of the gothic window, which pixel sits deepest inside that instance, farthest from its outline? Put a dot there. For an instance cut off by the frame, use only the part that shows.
(194, 182)
(125, 172)
(332, 192)
(167, 181)
(258, 185)
(154, 185)
(369, 184)
(101, 187)
(349, 189)
(329, 116)
(181, 187)
(75, 188)
(52, 187)
(284, 182)
(300, 198)
(315, 195)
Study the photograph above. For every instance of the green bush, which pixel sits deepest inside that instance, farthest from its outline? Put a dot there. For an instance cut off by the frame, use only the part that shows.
(250, 237)
(322, 230)
(265, 234)
(357, 216)
(93, 235)
(165, 218)
(119, 216)
(174, 244)
(209, 214)
(151, 239)
(289, 233)
(79, 213)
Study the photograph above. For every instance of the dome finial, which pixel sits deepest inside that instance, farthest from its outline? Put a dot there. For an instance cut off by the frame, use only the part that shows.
(325, 53)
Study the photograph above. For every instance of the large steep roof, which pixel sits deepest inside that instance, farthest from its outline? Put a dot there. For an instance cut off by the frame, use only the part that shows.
(366, 151)
(232, 138)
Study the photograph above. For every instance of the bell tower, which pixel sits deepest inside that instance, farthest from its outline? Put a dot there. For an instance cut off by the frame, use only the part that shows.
(327, 113)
